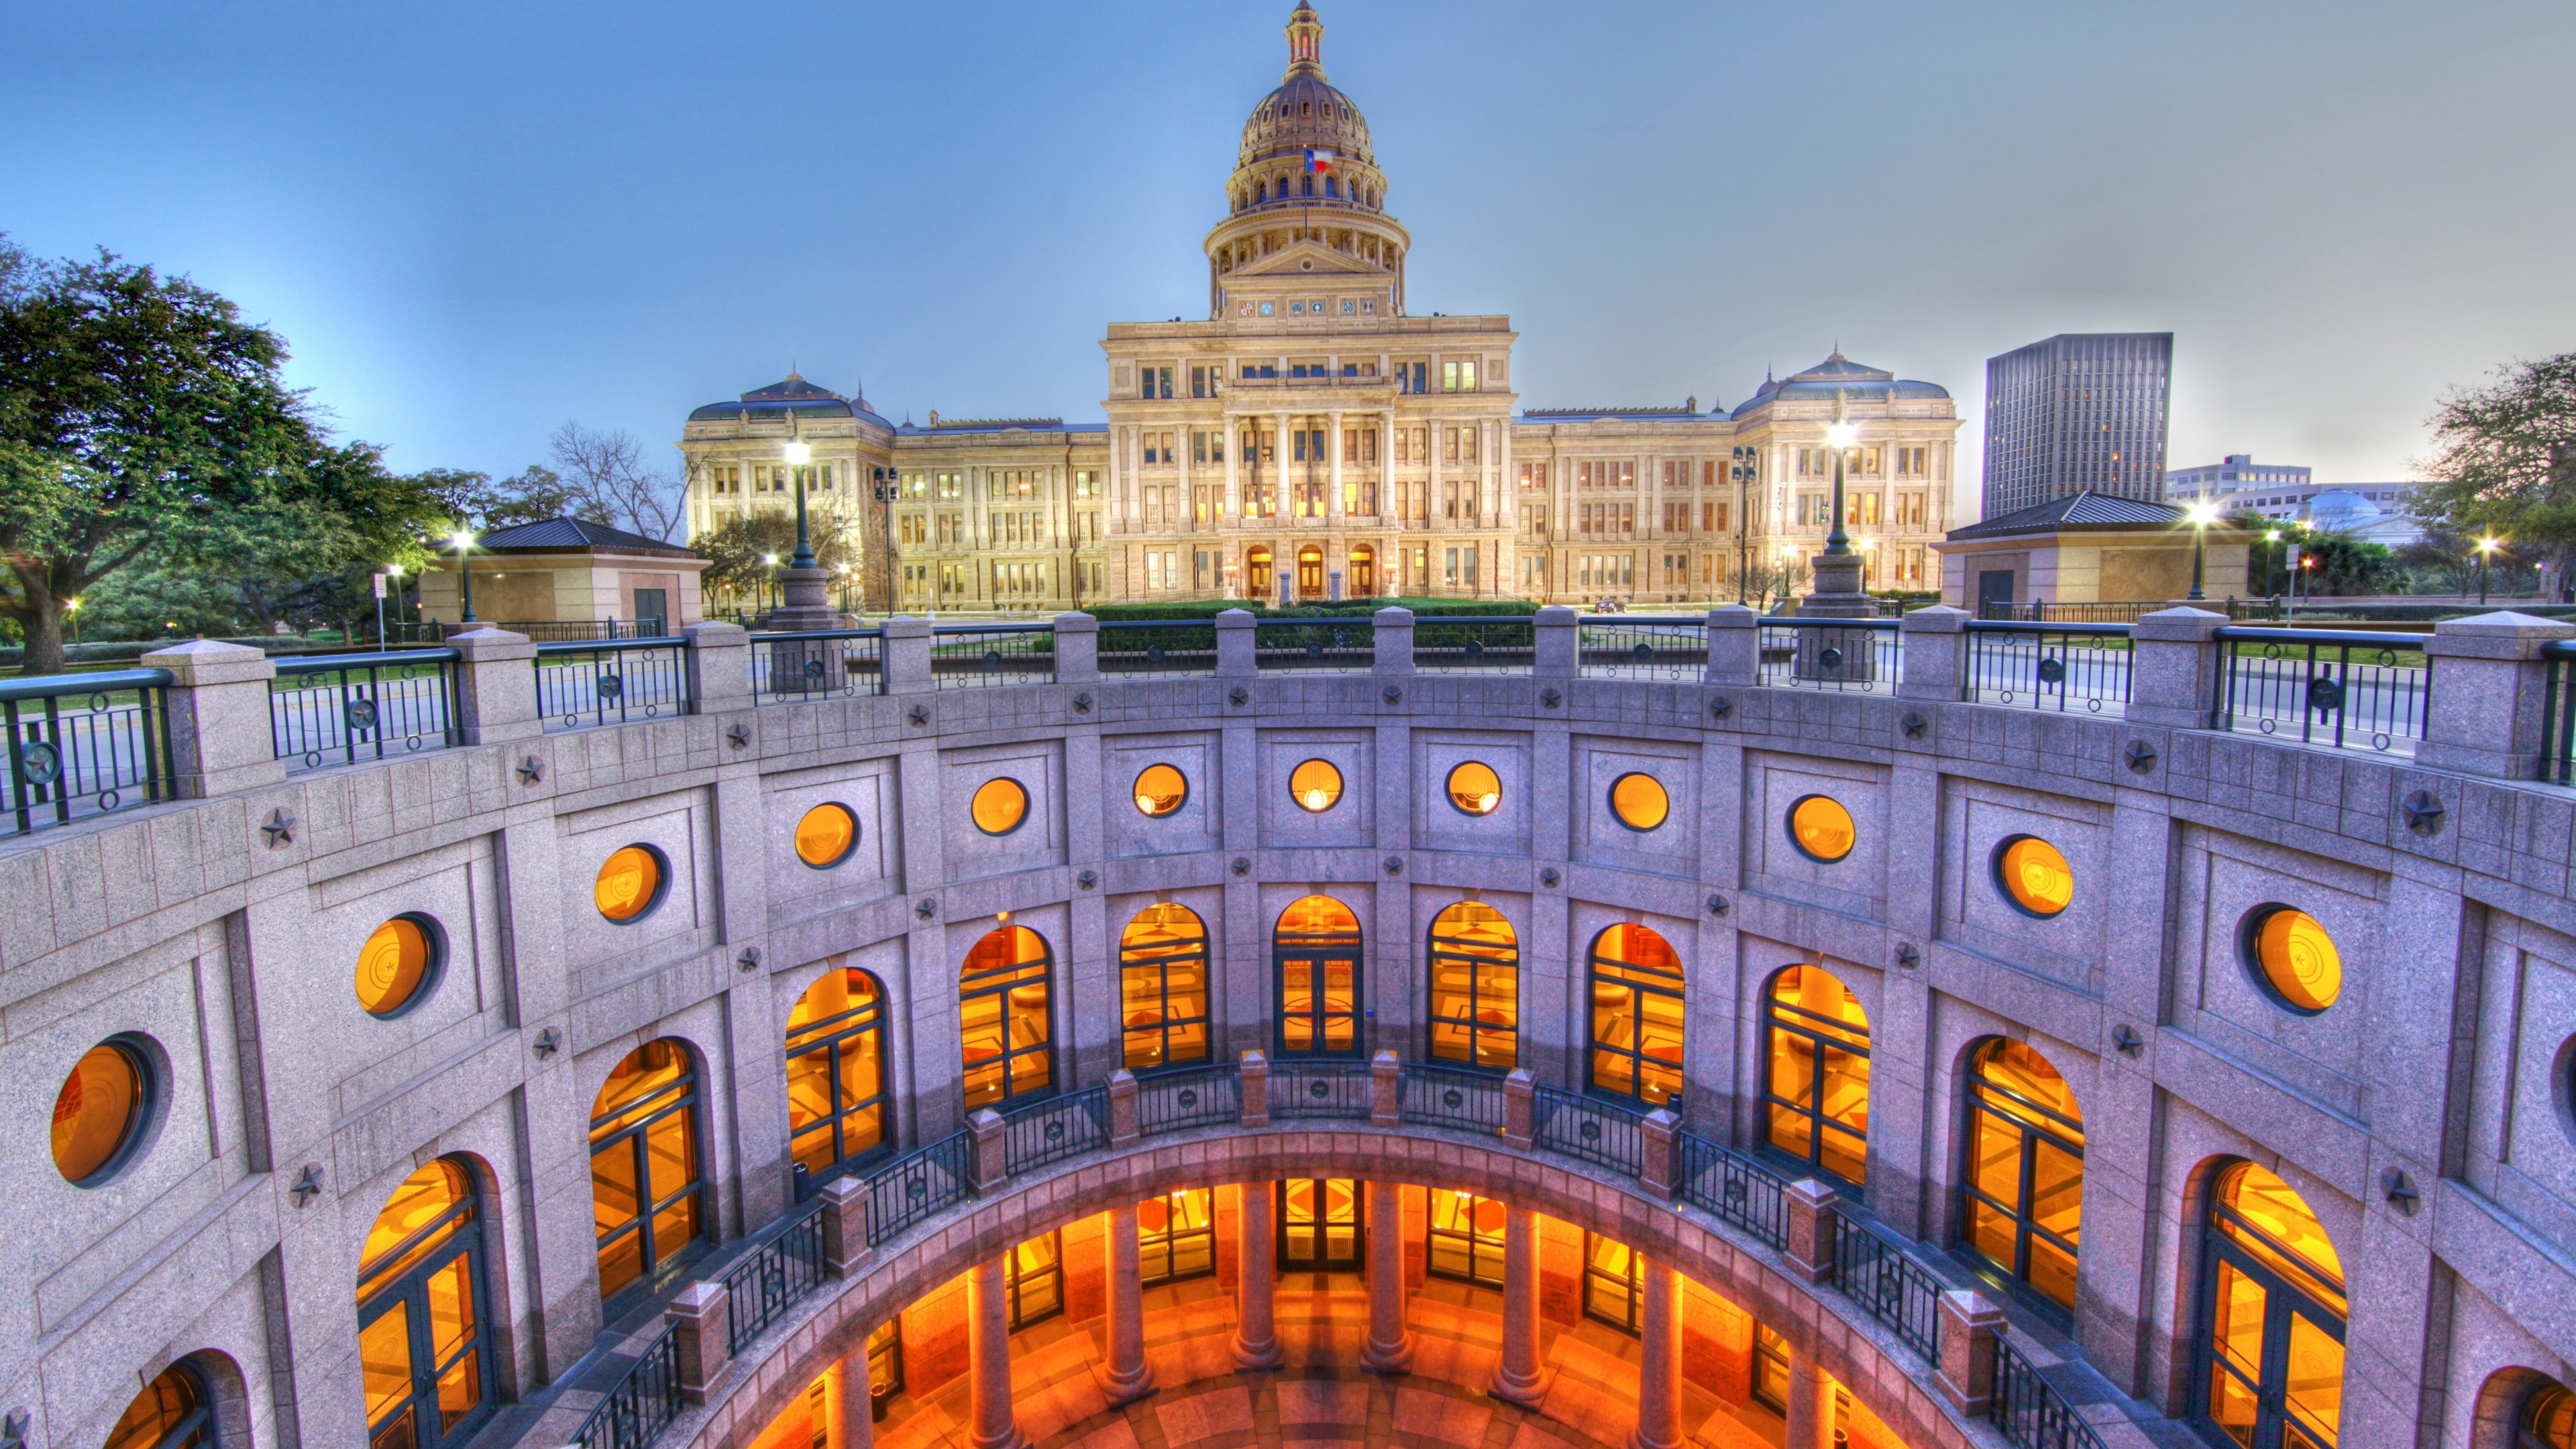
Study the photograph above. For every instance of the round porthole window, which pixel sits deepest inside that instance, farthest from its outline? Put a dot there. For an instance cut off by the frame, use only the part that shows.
(2293, 958)
(631, 883)
(1000, 805)
(1475, 789)
(1639, 801)
(100, 1111)
(826, 835)
(398, 964)
(1315, 785)
(2034, 876)
(1160, 790)
(1822, 829)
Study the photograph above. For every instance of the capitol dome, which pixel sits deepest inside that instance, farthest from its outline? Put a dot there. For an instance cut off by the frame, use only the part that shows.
(1305, 111)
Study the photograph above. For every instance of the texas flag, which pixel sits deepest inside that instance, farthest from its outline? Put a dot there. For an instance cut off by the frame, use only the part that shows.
(1318, 161)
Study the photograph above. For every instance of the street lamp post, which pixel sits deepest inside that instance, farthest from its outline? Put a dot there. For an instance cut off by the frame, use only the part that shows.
(769, 592)
(1744, 470)
(465, 574)
(72, 607)
(2486, 551)
(1840, 435)
(2199, 515)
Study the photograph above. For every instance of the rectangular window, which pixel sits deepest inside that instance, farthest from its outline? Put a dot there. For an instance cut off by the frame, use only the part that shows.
(1176, 1234)
(1033, 1280)
(1465, 1238)
(1200, 377)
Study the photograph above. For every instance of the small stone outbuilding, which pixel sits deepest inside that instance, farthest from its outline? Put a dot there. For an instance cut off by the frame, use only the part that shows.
(570, 571)
(2087, 548)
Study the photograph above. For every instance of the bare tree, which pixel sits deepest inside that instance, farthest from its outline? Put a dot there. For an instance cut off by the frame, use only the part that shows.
(606, 471)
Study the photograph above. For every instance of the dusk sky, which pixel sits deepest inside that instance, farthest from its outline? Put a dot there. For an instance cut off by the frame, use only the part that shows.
(472, 221)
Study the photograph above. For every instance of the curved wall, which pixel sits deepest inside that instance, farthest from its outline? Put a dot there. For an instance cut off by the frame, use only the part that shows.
(288, 1114)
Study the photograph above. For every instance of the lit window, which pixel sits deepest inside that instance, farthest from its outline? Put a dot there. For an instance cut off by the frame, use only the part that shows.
(171, 1413)
(836, 1079)
(424, 1343)
(2024, 1193)
(2271, 1354)
(1160, 790)
(398, 961)
(1614, 1283)
(1315, 956)
(2034, 876)
(2294, 958)
(1821, 829)
(1475, 789)
(99, 1111)
(1637, 1010)
(1033, 1280)
(1163, 988)
(1639, 801)
(826, 835)
(631, 883)
(1176, 1237)
(1006, 1015)
(1816, 1091)
(1315, 785)
(1465, 1237)
(999, 806)
(1475, 988)
(645, 1169)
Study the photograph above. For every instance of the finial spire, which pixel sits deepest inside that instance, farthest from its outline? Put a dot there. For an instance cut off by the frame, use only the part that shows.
(1305, 42)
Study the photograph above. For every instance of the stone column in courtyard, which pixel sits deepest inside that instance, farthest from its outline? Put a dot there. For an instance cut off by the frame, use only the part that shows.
(1127, 1377)
(1256, 1342)
(992, 1424)
(1811, 1404)
(854, 1424)
(1659, 1364)
(1390, 1346)
(1518, 1379)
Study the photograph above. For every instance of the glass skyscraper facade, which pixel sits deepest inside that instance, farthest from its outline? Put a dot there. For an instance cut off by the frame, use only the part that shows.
(2077, 412)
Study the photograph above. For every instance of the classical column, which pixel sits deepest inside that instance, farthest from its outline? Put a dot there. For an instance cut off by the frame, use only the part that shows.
(1390, 1347)
(854, 1423)
(1281, 453)
(1233, 462)
(1659, 1366)
(1333, 499)
(1431, 456)
(1128, 1376)
(1811, 1405)
(1181, 461)
(1256, 1342)
(988, 1352)
(1518, 1379)
(1385, 470)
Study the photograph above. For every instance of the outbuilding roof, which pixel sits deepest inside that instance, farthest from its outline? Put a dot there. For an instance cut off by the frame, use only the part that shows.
(558, 535)
(2072, 511)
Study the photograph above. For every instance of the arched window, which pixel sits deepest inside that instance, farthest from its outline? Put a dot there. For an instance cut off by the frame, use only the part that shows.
(2022, 1199)
(1329, 188)
(1310, 572)
(1636, 1016)
(424, 1317)
(645, 1178)
(1316, 951)
(836, 1076)
(174, 1411)
(1163, 988)
(1006, 1016)
(2269, 1351)
(2548, 1419)
(1256, 566)
(1475, 988)
(1363, 570)
(1816, 1094)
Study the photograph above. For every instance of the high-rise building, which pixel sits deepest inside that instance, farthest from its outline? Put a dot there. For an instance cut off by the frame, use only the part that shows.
(2079, 412)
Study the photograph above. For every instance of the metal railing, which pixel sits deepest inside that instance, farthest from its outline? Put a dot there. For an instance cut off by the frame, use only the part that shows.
(1325, 646)
(2058, 667)
(1860, 656)
(1451, 1097)
(774, 1277)
(820, 664)
(567, 631)
(914, 1186)
(612, 682)
(1732, 1186)
(1053, 1130)
(2558, 712)
(1507, 645)
(986, 656)
(337, 709)
(1591, 1129)
(85, 744)
(1874, 1270)
(1157, 646)
(643, 1401)
(2029, 1410)
(1178, 1101)
(1643, 648)
(2041, 611)
(1320, 1089)
(2339, 688)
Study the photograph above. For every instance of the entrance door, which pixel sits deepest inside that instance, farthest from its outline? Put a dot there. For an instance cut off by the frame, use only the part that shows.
(1320, 1227)
(1256, 573)
(1994, 586)
(1363, 571)
(1310, 572)
(652, 613)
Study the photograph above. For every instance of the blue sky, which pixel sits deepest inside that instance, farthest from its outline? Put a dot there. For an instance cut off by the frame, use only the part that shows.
(475, 221)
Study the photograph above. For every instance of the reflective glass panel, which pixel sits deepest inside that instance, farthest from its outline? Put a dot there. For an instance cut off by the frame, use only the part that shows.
(97, 1109)
(392, 965)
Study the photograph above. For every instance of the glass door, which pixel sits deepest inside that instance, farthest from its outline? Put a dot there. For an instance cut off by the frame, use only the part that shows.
(1320, 1225)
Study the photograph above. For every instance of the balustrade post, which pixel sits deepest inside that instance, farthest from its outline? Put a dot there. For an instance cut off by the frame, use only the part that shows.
(1392, 630)
(496, 686)
(1124, 1127)
(701, 1339)
(845, 1227)
(1969, 1325)
(1812, 1224)
(2488, 719)
(2174, 664)
(1661, 1146)
(1734, 647)
(1235, 657)
(1520, 1108)
(903, 652)
(719, 665)
(1933, 661)
(1386, 1093)
(991, 1171)
(1559, 636)
(1077, 649)
(223, 737)
(1256, 1089)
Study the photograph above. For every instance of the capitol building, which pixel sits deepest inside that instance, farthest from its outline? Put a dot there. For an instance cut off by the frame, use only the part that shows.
(1318, 437)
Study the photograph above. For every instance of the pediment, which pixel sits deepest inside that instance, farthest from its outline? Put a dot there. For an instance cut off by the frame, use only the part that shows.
(1307, 259)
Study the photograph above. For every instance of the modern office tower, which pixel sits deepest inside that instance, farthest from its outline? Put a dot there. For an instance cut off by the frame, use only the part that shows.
(2079, 412)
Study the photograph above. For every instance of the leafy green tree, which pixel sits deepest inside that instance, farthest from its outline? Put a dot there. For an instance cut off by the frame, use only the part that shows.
(482, 503)
(739, 546)
(2507, 456)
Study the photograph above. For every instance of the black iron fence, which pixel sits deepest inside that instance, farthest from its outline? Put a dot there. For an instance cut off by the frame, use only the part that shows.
(612, 682)
(2041, 611)
(1731, 1185)
(1157, 646)
(1055, 1129)
(1475, 646)
(987, 656)
(1451, 1097)
(2060, 667)
(338, 709)
(643, 1401)
(2334, 687)
(2029, 1410)
(1844, 655)
(1322, 646)
(1873, 1269)
(822, 664)
(774, 1277)
(919, 1184)
(1320, 1089)
(1644, 647)
(1178, 1101)
(84, 744)
(1594, 1130)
